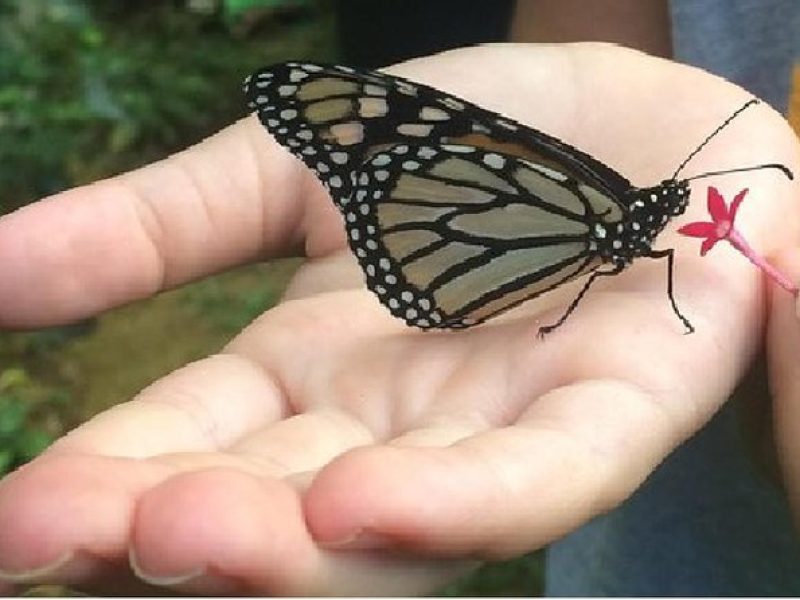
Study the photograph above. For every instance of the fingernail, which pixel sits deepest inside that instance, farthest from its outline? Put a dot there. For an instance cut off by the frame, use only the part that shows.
(161, 580)
(360, 540)
(37, 573)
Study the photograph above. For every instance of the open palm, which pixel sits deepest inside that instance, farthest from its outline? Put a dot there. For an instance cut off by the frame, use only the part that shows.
(329, 449)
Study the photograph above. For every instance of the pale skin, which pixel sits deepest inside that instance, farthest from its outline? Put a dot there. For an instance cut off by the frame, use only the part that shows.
(328, 432)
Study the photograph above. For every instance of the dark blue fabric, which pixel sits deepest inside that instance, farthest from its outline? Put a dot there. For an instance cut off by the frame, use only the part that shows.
(704, 524)
(753, 43)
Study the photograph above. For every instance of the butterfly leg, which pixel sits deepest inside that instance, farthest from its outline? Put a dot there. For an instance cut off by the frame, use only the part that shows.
(595, 274)
(669, 254)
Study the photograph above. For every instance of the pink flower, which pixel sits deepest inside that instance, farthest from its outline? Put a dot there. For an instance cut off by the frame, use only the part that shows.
(721, 227)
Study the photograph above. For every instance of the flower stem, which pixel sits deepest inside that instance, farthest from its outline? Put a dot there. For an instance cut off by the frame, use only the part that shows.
(738, 242)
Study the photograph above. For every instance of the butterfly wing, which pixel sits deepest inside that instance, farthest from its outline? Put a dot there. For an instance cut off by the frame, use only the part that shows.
(451, 235)
(334, 118)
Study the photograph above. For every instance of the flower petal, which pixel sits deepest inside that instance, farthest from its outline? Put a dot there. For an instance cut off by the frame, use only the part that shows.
(735, 204)
(707, 245)
(716, 205)
(702, 229)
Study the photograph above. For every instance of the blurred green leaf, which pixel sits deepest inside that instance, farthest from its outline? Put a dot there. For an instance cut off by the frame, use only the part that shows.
(89, 88)
(11, 378)
(31, 442)
(12, 416)
(6, 460)
(24, 402)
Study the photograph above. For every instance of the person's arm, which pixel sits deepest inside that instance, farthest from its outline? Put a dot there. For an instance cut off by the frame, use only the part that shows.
(641, 24)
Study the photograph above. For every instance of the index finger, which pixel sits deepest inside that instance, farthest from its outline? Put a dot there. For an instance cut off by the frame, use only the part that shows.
(234, 198)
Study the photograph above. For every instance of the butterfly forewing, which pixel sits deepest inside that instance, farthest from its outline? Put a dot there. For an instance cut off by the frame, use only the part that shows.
(334, 118)
(450, 235)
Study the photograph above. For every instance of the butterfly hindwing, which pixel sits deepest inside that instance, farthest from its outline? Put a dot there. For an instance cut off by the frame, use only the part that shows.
(450, 235)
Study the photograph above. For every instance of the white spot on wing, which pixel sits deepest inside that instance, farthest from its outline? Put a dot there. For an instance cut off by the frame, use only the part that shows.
(452, 103)
(459, 149)
(507, 124)
(414, 129)
(494, 160)
(374, 90)
(547, 172)
(426, 152)
(429, 113)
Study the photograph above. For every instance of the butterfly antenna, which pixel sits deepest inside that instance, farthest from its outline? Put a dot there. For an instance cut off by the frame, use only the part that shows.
(781, 168)
(745, 106)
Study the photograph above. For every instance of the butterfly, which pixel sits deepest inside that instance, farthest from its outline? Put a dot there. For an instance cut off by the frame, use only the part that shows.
(456, 213)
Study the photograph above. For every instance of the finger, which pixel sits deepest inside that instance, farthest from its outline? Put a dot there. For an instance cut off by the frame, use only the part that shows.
(305, 442)
(93, 498)
(783, 348)
(256, 520)
(577, 452)
(216, 531)
(93, 478)
(234, 198)
(267, 548)
(223, 411)
(205, 406)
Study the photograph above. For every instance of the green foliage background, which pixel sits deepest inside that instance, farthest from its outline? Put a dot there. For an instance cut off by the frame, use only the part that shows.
(90, 88)
(93, 87)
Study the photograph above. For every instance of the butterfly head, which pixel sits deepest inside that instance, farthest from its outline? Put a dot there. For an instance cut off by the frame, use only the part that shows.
(649, 211)
(675, 196)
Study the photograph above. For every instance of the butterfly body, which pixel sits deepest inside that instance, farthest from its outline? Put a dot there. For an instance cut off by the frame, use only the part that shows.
(456, 213)
(649, 212)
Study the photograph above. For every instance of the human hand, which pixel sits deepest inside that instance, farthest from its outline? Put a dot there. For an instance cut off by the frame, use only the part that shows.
(329, 449)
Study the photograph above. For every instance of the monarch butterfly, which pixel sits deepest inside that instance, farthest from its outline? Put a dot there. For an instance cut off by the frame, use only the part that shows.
(454, 212)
